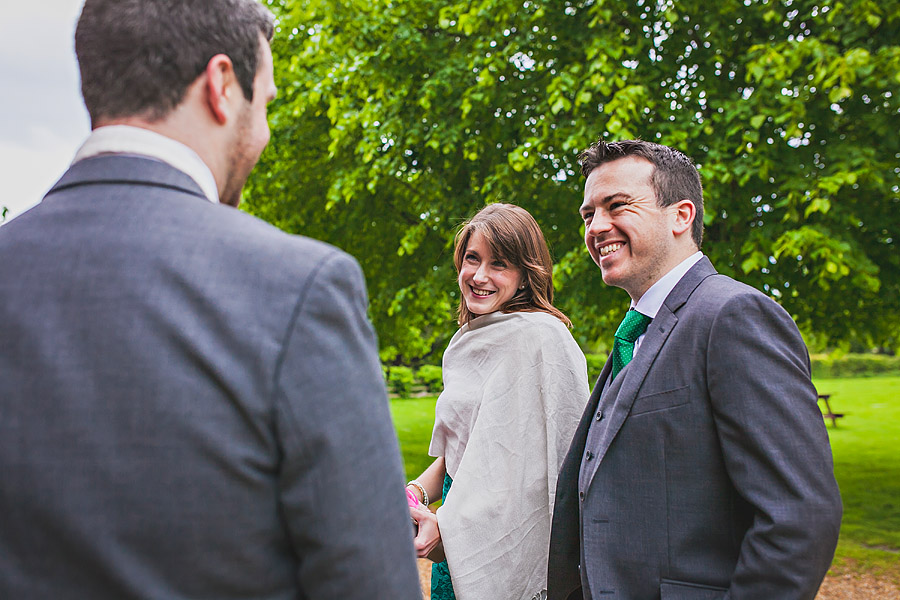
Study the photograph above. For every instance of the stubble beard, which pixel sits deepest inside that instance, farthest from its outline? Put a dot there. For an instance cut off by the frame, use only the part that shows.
(240, 164)
(643, 271)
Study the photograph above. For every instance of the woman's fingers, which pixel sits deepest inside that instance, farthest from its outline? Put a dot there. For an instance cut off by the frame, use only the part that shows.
(429, 535)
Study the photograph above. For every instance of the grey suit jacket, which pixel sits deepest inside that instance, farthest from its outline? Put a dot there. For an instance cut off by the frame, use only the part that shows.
(706, 471)
(191, 403)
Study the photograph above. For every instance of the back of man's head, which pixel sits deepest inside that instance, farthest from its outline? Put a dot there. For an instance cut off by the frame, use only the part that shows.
(138, 57)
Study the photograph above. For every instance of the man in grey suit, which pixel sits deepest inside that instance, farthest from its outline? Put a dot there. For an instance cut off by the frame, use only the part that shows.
(191, 402)
(701, 468)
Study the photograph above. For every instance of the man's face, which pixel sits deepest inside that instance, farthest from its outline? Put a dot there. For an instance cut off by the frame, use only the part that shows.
(252, 129)
(626, 233)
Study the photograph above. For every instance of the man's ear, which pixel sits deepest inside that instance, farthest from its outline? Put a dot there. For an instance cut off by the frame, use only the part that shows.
(683, 213)
(221, 86)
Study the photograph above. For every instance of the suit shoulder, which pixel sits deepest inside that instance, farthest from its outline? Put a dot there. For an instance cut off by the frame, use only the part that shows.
(727, 285)
(263, 241)
(720, 294)
(722, 289)
(254, 228)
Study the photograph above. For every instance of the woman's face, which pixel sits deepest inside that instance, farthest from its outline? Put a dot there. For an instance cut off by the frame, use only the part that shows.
(486, 283)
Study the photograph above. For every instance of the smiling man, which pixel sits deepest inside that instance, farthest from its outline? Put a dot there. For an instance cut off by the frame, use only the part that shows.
(701, 468)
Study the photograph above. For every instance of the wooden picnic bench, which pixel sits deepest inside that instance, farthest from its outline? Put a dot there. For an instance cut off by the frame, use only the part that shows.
(828, 413)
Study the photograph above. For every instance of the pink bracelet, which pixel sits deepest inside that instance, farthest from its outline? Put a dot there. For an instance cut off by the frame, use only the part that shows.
(412, 499)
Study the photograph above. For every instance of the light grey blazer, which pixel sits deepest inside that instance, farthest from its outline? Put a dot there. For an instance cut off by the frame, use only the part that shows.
(191, 403)
(704, 470)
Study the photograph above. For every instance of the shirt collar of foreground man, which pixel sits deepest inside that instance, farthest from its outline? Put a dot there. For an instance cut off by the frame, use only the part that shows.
(126, 139)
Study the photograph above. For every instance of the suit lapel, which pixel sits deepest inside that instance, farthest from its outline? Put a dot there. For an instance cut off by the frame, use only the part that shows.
(618, 399)
(623, 390)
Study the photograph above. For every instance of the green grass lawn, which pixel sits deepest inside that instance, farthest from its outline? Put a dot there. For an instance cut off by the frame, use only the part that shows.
(414, 420)
(866, 446)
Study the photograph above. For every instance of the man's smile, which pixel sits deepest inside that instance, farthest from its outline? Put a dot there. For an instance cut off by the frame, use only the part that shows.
(609, 248)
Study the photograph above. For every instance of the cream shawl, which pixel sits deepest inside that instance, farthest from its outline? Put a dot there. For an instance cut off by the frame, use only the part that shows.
(515, 386)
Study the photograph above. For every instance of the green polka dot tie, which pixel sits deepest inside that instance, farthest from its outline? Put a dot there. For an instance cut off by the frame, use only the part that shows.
(633, 326)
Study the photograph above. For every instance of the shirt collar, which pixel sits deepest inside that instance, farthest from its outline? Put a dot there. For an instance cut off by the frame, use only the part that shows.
(125, 139)
(653, 299)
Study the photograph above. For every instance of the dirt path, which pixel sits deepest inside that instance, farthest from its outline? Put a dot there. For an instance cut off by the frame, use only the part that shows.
(835, 587)
(857, 587)
(425, 577)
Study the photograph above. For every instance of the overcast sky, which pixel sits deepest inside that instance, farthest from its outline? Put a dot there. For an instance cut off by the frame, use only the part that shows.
(42, 118)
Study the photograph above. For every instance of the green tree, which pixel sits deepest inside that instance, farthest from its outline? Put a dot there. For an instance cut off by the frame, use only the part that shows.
(397, 119)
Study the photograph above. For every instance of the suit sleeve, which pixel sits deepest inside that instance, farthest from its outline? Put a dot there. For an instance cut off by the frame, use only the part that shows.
(341, 480)
(776, 449)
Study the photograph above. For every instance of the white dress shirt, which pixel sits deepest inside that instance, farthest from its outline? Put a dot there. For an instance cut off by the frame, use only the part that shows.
(125, 139)
(653, 299)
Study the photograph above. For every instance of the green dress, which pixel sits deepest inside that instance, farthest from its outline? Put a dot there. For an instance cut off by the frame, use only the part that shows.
(441, 586)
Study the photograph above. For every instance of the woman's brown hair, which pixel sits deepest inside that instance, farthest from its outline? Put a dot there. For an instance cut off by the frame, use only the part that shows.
(515, 238)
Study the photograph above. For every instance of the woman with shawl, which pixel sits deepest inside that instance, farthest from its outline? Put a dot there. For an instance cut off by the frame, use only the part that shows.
(515, 386)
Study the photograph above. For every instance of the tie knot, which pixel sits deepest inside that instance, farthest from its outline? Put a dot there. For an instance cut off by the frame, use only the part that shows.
(633, 326)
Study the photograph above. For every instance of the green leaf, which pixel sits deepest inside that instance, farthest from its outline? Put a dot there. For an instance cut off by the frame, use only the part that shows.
(839, 93)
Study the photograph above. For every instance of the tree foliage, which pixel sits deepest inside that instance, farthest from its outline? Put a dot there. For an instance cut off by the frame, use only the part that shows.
(397, 119)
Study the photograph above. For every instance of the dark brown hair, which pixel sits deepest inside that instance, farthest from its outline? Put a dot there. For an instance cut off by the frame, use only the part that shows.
(514, 237)
(674, 175)
(138, 57)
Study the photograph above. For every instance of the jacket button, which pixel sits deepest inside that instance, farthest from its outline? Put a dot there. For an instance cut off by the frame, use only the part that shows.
(599, 414)
(581, 496)
(589, 455)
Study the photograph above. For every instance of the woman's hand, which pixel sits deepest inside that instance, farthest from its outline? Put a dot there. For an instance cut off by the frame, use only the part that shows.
(428, 540)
